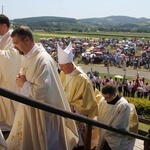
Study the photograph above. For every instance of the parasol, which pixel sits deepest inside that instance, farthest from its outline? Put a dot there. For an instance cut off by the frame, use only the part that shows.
(118, 76)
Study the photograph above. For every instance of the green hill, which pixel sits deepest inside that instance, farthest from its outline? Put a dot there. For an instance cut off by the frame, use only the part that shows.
(111, 23)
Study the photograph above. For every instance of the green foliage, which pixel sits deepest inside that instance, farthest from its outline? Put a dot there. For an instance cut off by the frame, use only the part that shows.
(106, 24)
(96, 73)
(142, 106)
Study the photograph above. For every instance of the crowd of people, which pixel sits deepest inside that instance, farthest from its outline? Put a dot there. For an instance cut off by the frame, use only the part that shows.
(127, 88)
(112, 52)
(35, 74)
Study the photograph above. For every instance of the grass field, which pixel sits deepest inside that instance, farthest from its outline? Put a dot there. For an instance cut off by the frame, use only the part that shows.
(95, 35)
(144, 127)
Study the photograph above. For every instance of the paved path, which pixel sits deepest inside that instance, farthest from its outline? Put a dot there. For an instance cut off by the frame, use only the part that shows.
(114, 70)
(138, 145)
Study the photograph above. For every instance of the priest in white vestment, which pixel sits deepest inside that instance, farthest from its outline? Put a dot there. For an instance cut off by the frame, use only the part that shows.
(10, 64)
(35, 129)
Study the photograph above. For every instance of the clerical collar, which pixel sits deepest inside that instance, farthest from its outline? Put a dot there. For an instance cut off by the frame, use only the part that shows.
(31, 51)
(114, 101)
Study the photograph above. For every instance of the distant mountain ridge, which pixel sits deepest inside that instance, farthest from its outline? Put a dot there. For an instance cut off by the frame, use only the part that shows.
(111, 23)
(116, 20)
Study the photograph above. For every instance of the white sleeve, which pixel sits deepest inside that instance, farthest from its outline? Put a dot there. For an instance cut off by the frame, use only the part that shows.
(25, 89)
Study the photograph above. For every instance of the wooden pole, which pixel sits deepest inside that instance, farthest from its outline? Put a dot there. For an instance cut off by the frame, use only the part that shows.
(2, 9)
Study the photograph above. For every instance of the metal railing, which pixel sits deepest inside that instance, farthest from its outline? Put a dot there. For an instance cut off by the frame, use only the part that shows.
(66, 114)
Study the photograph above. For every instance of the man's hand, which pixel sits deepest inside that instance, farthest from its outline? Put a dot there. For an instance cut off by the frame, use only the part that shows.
(20, 80)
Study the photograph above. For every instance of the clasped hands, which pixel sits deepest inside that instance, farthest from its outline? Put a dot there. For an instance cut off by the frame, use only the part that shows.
(20, 80)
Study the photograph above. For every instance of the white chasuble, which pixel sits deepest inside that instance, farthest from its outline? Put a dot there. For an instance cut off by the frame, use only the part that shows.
(35, 129)
(10, 64)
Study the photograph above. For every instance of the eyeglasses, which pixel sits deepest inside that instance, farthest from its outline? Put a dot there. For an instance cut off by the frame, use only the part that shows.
(16, 43)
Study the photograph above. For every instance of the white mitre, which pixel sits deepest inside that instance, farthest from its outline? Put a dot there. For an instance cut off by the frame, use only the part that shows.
(65, 56)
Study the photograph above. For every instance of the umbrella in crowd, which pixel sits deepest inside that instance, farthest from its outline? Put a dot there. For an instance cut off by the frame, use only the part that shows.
(118, 76)
(85, 43)
(91, 48)
(98, 52)
(140, 88)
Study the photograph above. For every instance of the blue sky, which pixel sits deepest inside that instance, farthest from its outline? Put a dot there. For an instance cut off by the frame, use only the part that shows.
(77, 9)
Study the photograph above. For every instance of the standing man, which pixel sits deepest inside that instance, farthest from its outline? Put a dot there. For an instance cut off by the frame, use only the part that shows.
(35, 129)
(78, 88)
(10, 64)
(113, 111)
(98, 82)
